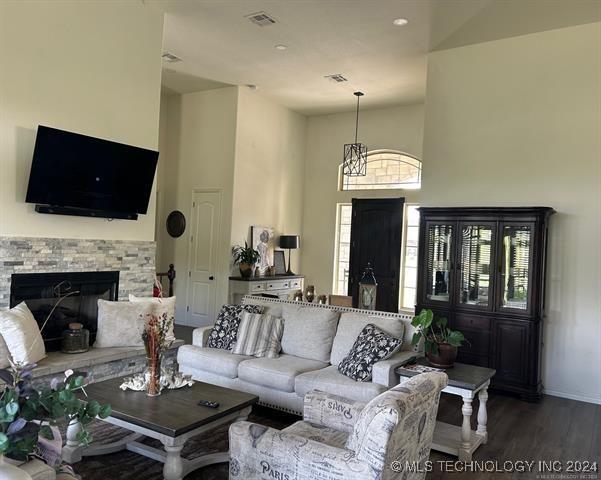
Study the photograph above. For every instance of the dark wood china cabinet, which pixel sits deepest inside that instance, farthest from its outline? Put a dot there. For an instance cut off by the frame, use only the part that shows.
(483, 268)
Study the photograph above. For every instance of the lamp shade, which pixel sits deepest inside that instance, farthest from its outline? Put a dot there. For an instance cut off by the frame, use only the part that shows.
(289, 241)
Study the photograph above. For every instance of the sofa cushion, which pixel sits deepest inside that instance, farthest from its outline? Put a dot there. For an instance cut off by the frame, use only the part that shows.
(279, 373)
(372, 345)
(121, 324)
(350, 326)
(213, 360)
(319, 433)
(21, 333)
(330, 380)
(309, 331)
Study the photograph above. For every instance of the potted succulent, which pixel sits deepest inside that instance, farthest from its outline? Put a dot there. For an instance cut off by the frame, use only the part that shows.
(440, 342)
(245, 257)
(28, 414)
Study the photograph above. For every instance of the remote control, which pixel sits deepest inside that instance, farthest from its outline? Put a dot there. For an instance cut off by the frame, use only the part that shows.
(209, 404)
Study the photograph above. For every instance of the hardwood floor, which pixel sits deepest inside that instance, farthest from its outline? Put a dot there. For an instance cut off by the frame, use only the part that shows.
(556, 429)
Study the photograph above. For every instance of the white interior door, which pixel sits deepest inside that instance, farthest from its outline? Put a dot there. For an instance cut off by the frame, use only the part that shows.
(202, 263)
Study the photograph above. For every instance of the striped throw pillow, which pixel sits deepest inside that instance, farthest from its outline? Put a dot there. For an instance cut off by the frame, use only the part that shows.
(259, 335)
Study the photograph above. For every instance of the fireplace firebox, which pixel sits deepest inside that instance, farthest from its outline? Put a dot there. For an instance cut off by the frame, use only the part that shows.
(42, 291)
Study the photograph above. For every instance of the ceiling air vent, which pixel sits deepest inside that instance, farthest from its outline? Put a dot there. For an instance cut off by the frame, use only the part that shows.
(169, 57)
(261, 19)
(336, 77)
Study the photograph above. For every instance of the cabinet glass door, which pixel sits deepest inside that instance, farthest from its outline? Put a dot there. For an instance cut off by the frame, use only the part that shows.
(475, 266)
(516, 259)
(439, 251)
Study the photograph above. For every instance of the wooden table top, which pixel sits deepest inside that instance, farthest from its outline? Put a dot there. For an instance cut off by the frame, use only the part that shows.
(469, 377)
(172, 413)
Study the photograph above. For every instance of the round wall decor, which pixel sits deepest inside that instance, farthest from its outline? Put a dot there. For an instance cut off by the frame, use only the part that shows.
(176, 224)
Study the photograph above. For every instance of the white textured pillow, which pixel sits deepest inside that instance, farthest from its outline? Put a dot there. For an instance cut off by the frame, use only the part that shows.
(160, 306)
(4, 353)
(309, 331)
(22, 335)
(120, 324)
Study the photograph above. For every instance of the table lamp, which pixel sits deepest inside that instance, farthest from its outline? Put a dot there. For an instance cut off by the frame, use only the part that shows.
(289, 242)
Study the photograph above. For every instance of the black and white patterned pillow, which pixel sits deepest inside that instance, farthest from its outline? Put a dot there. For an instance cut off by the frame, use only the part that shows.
(225, 331)
(371, 346)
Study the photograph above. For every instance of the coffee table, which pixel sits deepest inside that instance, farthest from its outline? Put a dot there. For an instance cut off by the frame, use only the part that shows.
(172, 418)
(466, 381)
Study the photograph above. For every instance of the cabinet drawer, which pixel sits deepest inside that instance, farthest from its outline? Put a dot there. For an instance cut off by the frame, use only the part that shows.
(473, 322)
(296, 283)
(278, 285)
(257, 287)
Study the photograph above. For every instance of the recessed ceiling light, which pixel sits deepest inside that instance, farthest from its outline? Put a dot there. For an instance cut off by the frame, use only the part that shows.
(279, 46)
(399, 22)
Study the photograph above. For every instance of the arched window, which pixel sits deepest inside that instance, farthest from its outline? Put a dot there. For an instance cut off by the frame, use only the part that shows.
(386, 169)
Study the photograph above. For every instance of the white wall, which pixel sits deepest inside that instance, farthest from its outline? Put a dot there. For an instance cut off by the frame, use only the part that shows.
(517, 122)
(90, 67)
(269, 168)
(200, 140)
(398, 128)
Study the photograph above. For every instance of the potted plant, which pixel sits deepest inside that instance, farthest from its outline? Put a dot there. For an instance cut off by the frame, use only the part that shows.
(440, 342)
(28, 413)
(245, 257)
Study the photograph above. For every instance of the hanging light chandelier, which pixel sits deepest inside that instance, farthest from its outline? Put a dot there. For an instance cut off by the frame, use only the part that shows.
(355, 154)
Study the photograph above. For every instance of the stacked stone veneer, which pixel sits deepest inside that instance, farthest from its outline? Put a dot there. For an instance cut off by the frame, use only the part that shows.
(135, 260)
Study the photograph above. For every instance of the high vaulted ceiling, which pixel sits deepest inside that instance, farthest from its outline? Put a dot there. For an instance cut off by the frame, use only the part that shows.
(356, 38)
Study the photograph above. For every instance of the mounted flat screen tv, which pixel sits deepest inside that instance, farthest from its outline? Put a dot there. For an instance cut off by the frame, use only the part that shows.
(74, 174)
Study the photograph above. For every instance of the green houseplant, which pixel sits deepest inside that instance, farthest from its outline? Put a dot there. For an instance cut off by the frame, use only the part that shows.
(27, 413)
(440, 342)
(245, 257)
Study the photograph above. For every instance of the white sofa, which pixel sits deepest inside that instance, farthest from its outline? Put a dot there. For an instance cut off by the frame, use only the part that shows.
(316, 338)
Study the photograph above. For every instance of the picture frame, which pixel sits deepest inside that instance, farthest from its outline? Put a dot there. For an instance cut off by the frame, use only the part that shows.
(279, 261)
(262, 239)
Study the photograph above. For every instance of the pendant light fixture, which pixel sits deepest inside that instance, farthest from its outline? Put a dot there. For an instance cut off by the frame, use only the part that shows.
(355, 154)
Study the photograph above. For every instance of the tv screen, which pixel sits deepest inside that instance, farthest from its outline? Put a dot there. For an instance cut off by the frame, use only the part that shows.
(74, 170)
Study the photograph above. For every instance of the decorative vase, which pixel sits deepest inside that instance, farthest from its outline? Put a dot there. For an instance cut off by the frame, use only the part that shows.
(298, 296)
(153, 375)
(322, 299)
(76, 339)
(246, 270)
(310, 293)
(9, 471)
(445, 358)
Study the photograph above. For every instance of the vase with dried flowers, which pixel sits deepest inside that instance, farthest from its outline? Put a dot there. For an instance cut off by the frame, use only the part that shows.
(156, 342)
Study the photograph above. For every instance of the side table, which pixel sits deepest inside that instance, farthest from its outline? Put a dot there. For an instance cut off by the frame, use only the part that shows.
(467, 381)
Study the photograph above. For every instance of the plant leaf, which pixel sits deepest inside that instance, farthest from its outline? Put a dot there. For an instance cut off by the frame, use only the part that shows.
(17, 425)
(46, 432)
(105, 411)
(6, 376)
(416, 338)
(4, 443)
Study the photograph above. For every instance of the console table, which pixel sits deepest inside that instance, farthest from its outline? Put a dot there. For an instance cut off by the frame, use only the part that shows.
(466, 381)
(279, 286)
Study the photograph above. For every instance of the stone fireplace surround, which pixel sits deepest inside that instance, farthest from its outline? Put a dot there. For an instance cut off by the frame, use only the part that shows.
(135, 260)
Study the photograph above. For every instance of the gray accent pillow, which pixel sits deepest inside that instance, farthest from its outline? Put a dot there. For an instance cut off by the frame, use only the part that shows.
(259, 335)
(121, 324)
(309, 331)
(350, 326)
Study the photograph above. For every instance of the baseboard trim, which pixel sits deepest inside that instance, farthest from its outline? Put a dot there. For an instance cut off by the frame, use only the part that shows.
(571, 396)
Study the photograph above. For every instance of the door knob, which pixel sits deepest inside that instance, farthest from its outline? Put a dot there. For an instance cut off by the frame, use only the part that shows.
(211, 277)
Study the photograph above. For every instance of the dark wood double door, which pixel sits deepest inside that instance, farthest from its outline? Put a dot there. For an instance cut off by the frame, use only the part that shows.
(483, 269)
(376, 231)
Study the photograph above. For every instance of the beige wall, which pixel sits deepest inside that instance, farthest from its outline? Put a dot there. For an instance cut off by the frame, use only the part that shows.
(398, 128)
(269, 169)
(90, 67)
(517, 122)
(200, 146)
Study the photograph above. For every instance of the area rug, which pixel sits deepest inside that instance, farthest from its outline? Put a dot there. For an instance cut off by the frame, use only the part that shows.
(131, 466)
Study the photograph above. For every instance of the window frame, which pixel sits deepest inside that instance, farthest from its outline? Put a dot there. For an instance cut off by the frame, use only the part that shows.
(380, 187)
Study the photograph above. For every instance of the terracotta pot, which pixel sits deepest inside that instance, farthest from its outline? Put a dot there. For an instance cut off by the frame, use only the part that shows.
(446, 356)
(246, 270)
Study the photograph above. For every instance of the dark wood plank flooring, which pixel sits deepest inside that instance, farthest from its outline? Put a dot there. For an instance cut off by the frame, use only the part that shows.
(556, 429)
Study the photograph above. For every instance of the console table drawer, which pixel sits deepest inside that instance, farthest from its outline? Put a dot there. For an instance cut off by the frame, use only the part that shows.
(257, 287)
(296, 283)
(278, 285)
